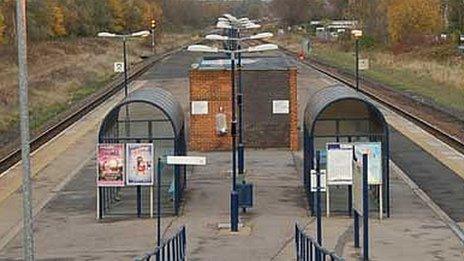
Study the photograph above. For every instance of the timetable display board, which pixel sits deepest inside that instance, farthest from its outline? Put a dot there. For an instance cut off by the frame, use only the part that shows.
(339, 164)
(374, 154)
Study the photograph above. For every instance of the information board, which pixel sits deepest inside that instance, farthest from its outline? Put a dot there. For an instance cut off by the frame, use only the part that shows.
(110, 165)
(374, 153)
(314, 180)
(280, 107)
(139, 163)
(199, 107)
(339, 164)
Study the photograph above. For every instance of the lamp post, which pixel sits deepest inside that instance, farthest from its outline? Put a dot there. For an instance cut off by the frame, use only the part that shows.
(357, 35)
(236, 38)
(234, 26)
(233, 53)
(124, 38)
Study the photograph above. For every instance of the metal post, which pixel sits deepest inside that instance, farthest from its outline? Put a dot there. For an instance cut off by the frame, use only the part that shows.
(125, 65)
(158, 204)
(356, 228)
(153, 41)
(139, 201)
(241, 146)
(28, 236)
(365, 210)
(357, 64)
(234, 195)
(318, 196)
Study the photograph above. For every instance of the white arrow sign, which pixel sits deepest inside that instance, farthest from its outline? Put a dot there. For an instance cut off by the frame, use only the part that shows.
(186, 160)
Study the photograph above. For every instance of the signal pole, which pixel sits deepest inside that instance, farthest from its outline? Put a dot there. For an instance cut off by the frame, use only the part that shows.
(153, 25)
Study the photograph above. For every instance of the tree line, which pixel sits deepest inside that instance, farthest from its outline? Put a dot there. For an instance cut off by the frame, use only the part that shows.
(386, 21)
(49, 19)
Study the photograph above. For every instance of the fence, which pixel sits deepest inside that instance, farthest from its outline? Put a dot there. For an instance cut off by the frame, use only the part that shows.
(307, 248)
(173, 249)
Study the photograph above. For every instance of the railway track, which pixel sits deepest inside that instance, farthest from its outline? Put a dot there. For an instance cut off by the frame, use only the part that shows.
(14, 156)
(378, 93)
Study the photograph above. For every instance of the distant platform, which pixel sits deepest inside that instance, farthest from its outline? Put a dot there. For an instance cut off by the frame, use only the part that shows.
(249, 63)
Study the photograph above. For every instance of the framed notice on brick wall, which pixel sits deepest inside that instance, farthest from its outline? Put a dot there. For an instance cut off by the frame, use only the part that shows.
(280, 107)
(199, 107)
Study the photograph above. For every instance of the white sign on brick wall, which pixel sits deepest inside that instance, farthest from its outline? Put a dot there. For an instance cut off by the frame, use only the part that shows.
(280, 107)
(199, 107)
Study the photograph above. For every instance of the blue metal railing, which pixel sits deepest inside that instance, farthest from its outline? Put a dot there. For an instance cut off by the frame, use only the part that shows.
(307, 248)
(173, 249)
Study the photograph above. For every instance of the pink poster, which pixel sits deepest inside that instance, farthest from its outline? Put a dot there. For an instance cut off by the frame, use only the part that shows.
(110, 165)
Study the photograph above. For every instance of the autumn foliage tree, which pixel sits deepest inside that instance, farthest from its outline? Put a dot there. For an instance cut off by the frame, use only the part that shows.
(413, 19)
(58, 21)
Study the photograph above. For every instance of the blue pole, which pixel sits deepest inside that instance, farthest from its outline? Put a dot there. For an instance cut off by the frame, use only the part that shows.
(365, 210)
(233, 194)
(318, 196)
(158, 203)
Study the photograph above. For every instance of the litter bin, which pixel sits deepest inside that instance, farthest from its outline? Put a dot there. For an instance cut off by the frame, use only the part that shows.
(245, 195)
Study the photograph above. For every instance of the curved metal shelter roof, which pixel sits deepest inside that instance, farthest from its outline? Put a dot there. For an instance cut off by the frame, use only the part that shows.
(157, 97)
(322, 99)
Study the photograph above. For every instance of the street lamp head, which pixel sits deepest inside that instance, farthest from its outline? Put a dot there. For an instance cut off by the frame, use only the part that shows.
(106, 34)
(252, 26)
(230, 17)
(216, 37)
(140, 34)
(261, 36)
(223, 25)
(262, 48)
(202, 48)
(357, 33)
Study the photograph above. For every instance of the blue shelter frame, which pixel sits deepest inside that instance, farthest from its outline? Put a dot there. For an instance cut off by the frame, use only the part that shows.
(340, 114)
(148, 115)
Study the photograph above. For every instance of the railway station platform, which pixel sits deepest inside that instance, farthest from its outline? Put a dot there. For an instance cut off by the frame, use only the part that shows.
(67, 228)
(64, 196)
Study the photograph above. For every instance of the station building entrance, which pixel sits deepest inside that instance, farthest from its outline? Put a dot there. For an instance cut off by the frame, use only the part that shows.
(339, 114)
(147, 125)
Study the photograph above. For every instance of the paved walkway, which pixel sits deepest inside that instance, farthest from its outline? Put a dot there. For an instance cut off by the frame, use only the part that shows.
(67, 229)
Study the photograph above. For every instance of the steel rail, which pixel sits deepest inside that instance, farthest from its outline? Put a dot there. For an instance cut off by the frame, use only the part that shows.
(114, 87)
(436, 131)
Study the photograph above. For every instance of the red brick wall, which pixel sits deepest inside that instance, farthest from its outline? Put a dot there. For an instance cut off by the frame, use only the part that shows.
(294, 142)
(214, 86)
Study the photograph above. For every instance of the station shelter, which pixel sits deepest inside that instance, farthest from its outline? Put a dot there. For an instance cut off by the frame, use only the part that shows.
(270, 112)
(146, 126)
(338, 114)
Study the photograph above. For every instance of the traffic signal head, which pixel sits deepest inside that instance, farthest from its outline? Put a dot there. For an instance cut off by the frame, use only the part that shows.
(153, 23)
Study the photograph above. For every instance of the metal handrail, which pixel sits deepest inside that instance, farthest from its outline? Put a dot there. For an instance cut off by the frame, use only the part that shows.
(308, 249)
(172, 249)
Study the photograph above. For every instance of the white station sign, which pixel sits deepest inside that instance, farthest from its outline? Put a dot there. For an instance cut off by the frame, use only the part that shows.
(199, 107)
(280, 107)
(186, 160)
(118, 67)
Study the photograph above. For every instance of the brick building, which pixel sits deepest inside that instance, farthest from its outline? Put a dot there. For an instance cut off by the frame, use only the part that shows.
(269, 98)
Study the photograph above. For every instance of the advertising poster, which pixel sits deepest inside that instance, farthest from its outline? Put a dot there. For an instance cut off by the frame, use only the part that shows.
(339, 164)
(374, 152)
(139, 167)
(110, 165)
